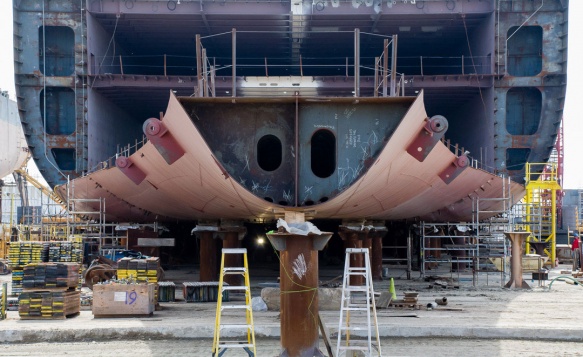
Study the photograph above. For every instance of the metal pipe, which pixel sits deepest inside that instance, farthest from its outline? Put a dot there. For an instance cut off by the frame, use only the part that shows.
(376, 255)
(266, 73)
(299, 292)
(231, 240)
(357, 63)
(385, 65)
(516, 239)
(208, 256)
(353, 239)
(234, 63)
(198, 66)
(297, 153)
(205, 77)
(394, 67)
(376, 77)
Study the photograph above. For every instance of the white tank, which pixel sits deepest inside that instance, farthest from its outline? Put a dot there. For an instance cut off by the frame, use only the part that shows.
(13, 147)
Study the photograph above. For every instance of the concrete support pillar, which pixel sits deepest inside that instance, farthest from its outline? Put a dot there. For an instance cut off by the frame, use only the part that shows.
(299, 291)
(209, 258)
(516, 239)
(232, 233)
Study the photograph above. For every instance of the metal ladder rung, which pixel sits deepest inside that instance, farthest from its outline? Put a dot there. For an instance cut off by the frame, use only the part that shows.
(234, 273)
(230, 287)
(235, 307)
(245, 326)
(356, 250)
(234, 344)
(235, 269)
(355, 309)
(219, 347)
(234, 250)
(355, 328)
(360, 300)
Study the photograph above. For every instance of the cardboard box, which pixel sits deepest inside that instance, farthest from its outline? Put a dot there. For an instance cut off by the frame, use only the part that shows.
(110, 300)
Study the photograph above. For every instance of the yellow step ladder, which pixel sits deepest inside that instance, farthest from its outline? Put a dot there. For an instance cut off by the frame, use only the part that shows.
(220, 347)
(357, 305)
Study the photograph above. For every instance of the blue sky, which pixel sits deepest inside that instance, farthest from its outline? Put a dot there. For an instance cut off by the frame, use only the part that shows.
(573, 126)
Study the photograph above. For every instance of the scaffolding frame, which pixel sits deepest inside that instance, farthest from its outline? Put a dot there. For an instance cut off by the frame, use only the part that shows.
(542, 184)
(480, 240)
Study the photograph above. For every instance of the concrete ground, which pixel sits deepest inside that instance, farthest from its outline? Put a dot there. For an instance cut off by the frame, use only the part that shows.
(484, 311)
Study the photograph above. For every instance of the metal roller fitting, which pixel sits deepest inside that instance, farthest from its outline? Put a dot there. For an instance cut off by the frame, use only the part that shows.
(152, 126)
(122, 162)
(438, 123)
(462, 161)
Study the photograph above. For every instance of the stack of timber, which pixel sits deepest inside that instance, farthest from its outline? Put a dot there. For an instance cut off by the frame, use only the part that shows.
(65, 251)
(203, 291)
(3, 301)
(113, 299)
(23, 253)
(49, 304)
(409, 301)
(166, 291)
(50, 275)
(49, 291)
(140, 271)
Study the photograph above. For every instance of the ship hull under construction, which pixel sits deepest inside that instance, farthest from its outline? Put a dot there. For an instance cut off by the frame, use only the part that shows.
(278, 102)
(393, 167)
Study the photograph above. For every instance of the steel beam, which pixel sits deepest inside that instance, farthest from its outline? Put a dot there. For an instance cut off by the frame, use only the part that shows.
(376, 236)
(232, 233)
(209, 262)
(299, 291)
(354, 237)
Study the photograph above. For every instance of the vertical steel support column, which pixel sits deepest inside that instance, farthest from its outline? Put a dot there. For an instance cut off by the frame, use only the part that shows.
(553, 228)
(232, 233)
(357, 63)
(516, 239)
(376, 77)
(209, 261)
(234, 62)
(209, 270)
(376, 265)
(394, 67)
(459, 254)
(198, 66)
(299, 291)
(353, 237)
(385, 66)
(205, 75)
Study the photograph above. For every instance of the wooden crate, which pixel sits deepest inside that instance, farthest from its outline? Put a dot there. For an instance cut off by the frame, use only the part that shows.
(111, 300)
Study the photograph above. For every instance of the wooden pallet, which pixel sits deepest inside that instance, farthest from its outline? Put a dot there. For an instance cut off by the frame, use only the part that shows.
(104, 316)
(405, 305)
(50, 317)
(48, 290)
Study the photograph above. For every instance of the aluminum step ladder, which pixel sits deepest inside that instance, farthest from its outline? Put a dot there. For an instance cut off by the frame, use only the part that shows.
(356, 307)
(220, 347)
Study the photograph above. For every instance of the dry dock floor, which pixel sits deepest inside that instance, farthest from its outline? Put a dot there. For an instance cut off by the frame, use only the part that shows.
(478, 314)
